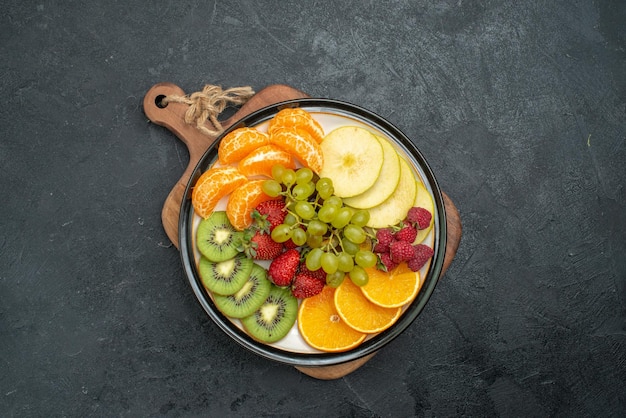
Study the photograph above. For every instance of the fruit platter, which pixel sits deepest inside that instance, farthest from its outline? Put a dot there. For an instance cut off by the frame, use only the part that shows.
(313, 232)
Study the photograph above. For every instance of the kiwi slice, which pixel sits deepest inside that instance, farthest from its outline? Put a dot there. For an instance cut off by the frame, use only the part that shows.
(247, 299)
(274, 318)
(225, 277)
(217, 239)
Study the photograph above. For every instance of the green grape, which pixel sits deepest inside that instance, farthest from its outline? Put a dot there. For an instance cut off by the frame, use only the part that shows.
(349, 246)
(316, 227)
(304, 175)
(335, 279)
(359, 276)
(345, 262)
(354, 233)
(360, 217)
(305, 210)
(329, 262)
(342, 218)
(277, 172)
(335, 201)
(272, 188)
(325, 187)
(281, 233)
(290, 219)
(288, 177)
(313, 259)
(327, 213)
(365, 258)
(301, 192)
(298, 236)
(315, 241)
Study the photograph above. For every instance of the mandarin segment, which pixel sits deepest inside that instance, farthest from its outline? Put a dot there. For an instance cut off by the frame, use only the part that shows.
(242, 202)
(392, 289)
(297, 118)
(361, 314)
(301, 145)
(321, 326)
(239, 143)
(212, 186)
(260, 161)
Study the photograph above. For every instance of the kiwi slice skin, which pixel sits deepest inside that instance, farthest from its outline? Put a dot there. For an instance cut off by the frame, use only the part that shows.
(225, 277)
(217, 239)
(247, 299)
(274, 318)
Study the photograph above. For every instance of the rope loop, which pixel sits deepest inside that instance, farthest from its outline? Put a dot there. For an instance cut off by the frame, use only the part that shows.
(206, 105)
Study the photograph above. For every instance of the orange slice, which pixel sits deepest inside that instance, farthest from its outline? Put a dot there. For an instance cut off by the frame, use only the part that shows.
(242, 202)
(361, 314)
(391, 289)
(214, 184)
(301, 145)
(239, 143)
(260, 161)
(296, 117)
(321, 326)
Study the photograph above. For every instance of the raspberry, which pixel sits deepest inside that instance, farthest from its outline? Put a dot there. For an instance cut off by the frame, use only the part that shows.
(421, 254)
(401, 251)
(420, 217)
(384, 238)
(408, 233)
(387, 263)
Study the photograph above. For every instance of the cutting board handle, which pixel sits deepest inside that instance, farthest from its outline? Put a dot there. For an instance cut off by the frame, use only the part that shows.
(172, 117)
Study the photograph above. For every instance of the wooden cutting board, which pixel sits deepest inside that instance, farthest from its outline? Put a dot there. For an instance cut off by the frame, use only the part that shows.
(172, 117)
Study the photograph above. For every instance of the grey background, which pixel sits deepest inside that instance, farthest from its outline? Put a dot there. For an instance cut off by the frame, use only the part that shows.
(519, 107)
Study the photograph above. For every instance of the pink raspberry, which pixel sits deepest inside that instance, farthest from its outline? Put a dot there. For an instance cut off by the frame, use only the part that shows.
(384, 238)
(421, 254)
(387, 263)
(420, 217)
(408, 233)
(401, 251)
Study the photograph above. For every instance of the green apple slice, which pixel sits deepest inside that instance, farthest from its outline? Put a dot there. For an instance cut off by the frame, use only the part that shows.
(424, 200)
(385, 184)
(353, 158)
(395, 208)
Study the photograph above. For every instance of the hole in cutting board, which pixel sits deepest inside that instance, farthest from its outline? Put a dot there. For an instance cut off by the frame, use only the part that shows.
(158, 101)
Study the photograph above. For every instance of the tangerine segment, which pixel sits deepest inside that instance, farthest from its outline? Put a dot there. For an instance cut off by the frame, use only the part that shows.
(239, 143)
(242, 202)
(321, 326)
(391, 289)
(212, 185)
(300, 144)
(296, 117)
(361, 314)
(261, 160)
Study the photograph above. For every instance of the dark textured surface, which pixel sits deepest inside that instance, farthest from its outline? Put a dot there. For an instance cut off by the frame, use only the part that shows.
(520, 108)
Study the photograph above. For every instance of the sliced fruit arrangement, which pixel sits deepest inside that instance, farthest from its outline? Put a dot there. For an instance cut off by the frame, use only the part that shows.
(329, 230)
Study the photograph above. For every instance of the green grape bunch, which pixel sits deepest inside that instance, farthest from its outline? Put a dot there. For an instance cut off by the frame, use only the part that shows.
(332, 235)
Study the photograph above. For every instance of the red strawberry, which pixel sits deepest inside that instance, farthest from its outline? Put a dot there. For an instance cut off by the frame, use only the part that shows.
(420, 217)
(421, 254)
(283, 268)
(269, 214)
(289, 244)
(319, 273)
(401, 251)
(306, 285)
(408, 233)
(261, 246)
